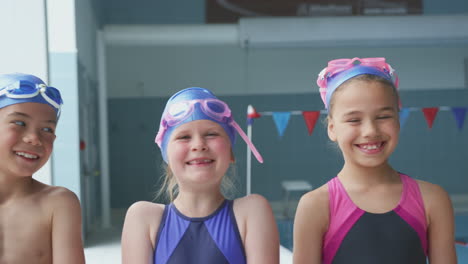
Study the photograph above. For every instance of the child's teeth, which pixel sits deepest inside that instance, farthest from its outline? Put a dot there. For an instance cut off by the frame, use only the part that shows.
(29, 156)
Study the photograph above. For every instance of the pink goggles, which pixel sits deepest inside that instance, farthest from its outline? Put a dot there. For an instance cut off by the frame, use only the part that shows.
(215, 109)
(339, 65)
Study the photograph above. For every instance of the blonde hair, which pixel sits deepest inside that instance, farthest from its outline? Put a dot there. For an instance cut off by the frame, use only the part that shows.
(169, 188)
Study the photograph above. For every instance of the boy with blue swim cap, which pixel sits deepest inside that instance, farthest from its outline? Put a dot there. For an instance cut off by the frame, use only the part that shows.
(23, 88)
(43, 221)
(196, 136)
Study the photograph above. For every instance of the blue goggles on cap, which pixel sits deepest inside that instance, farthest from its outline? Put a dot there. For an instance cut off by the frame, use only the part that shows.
(25, 91)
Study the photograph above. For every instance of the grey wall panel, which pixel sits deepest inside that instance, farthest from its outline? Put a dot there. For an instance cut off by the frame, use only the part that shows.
(160, 71)
(148, 71)
(438, 155)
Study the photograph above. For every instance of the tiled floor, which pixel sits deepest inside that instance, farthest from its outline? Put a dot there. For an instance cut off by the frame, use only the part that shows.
(103, 247)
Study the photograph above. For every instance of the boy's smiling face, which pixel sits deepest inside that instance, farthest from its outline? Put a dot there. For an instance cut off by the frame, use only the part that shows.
(28, 134)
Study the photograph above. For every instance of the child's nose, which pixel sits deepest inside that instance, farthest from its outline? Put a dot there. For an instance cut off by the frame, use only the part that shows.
(370, 129)
(33, 138)
(198, 144)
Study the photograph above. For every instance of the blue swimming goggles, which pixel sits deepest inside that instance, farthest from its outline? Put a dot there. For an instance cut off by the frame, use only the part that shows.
(22, 91)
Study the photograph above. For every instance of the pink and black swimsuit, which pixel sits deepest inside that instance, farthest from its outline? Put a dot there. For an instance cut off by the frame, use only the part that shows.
(356, 236)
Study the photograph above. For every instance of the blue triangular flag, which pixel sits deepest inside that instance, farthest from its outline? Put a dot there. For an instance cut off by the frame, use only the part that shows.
(281, 121)
(459, 113)
(404, 114)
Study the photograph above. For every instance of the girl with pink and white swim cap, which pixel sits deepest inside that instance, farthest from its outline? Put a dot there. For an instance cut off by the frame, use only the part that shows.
(370, 212)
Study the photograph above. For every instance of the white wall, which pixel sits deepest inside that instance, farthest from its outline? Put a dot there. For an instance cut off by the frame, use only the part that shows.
(23, 32)
(24, 47)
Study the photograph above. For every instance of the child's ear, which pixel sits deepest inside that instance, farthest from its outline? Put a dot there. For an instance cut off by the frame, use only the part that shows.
(331, 130)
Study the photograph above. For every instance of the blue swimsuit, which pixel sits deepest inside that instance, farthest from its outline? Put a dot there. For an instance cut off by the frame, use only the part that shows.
(213, 239)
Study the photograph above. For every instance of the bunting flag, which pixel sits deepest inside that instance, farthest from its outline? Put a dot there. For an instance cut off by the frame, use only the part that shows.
(251, 114)
(310, 118)
(281, 121)
(459, 113)
(404, 114)
(430, 114)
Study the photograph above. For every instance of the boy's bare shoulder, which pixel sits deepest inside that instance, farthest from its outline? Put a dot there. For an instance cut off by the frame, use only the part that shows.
(54, 195)
(44, 214)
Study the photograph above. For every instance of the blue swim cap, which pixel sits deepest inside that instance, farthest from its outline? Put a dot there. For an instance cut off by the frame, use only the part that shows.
(338, 79)
(16, 88)
(190, 94)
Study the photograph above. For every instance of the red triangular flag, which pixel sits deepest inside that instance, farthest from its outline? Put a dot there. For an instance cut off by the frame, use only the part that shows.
(310, 117)
(252, 113)
(430, 114)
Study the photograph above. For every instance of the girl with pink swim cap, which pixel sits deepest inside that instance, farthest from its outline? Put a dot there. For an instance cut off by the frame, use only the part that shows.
(369, 212)
(196, 135)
